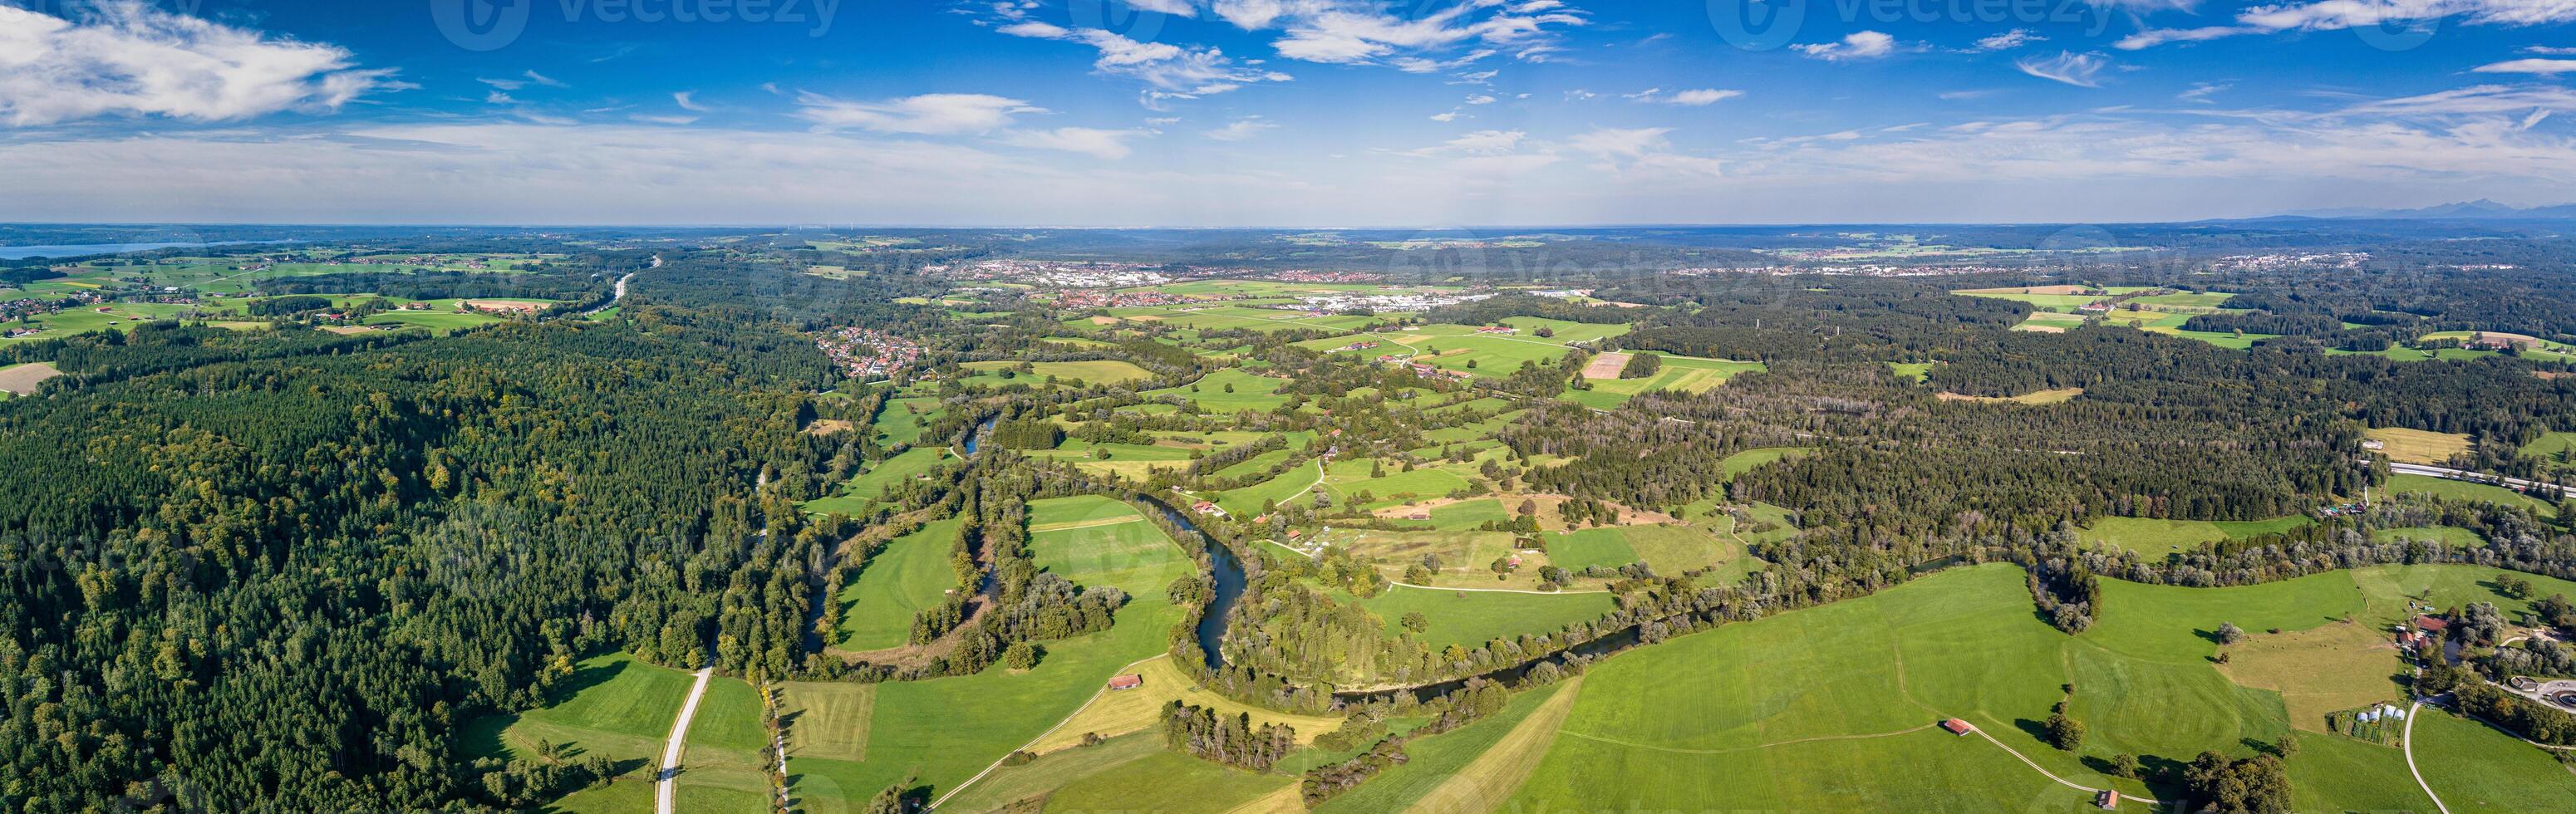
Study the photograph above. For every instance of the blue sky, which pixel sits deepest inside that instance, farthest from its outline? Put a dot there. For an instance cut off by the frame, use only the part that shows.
(1275, 112)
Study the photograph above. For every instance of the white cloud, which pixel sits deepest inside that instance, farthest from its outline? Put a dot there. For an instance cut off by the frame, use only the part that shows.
(498, 98)
(2069, 67)
(1240, 130)
(2335, 15)
(1856, 45)
(929, 114)
(1687, 98)
(2201, 91)
(1481, 142)
(128, 58)
(1370, 32)
(545, 80)
(2538, 66)
(2010, 39)
(687, 101)
(2550, 50)
(669, 120)
(1108, 145)
(1480, 99)
(1177, 72)
(1447, 117)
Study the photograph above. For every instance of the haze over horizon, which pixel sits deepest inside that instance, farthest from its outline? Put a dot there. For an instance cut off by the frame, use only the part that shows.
(1274, 113)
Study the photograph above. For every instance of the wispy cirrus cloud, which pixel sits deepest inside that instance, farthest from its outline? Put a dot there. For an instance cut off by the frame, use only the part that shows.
(2080, 70)
(1433, 37)
(1102, 144)
(926, 114)
(1173, 71)
(2533, 65)
(125, 58)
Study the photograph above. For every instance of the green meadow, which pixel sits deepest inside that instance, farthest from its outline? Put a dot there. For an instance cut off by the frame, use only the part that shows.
(910, 574)
(1472, 618)
(2463, 490)
(942, 731)
(2154, 537)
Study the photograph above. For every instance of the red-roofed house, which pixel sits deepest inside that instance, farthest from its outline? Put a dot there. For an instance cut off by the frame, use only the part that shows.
(1957, 727)
(1127, 682)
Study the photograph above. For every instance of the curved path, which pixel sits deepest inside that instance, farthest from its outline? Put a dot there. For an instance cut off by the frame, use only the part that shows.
(2034, 766)
(2414, 711)
(666, 787)
(1734, 749)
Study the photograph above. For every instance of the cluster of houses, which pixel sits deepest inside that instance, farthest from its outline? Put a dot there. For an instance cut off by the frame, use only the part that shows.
(1305, 276)
(1364, 344)
(1870, 270)
(1060, 273)
(2264, 262)
(1395, 301)
(1208, 508)
(1500, 330)
(868, 353)
(1426, 369)
(1086, 298)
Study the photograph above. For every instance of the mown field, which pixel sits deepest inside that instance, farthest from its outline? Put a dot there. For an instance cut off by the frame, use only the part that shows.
(2154, 537)
(910, 574)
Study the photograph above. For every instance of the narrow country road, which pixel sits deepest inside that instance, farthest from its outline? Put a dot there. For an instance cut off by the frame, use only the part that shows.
(2034, 765)
(2414, 711)
(665, 783)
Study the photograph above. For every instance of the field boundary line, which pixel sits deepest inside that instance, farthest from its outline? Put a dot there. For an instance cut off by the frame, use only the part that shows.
(1734, 749)
(1068, 718)
(1467, 789)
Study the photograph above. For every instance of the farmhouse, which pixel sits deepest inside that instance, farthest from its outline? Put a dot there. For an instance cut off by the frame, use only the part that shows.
(2107, 800)
(1957, 727)
(1498, 329)
(2096, 308)
(2432, 624)
(1127, 682)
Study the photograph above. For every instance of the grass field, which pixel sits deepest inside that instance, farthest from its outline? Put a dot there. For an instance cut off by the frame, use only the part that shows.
(1742, 462)
(2476, 768)
(1691, 724)
(873, 482)
(2052, 298)
(1440, 760)
(1472, 618)
(2208, 299)
(2463, 490)
(1247, 501)
(1118, 713)
(1164, 781)
(2419, 446)
(1248, 392)
(910, 574)
(2556, 450)
(942, 731)
(613, 706)
(722, 770)
(1578, 550)
(2452, 536)
(1094, 372)
(2157, 537)
(1911, 371)
(1679, 374)
(902, 420)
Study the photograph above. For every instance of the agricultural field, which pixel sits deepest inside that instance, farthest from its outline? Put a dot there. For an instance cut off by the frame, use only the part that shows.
(2034, 398)
(20, 380)
(871, 484)
(2419, 446)
(2051, 297)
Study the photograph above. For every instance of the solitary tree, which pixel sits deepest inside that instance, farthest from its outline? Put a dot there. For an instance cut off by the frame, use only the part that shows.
(2229, 633)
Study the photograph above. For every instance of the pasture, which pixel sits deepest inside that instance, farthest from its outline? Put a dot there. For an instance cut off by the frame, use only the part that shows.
(1472, 618)
(942, 731)
(2556, 450)
(612, 706)
(722, 770)
(911, 573)
(1441, 771)
(2463, 490)
(1229, 391)
(873, 482)
(2154, 537)
(2033, 398)
(2476, 768)
(1680, 374)
(1092, 372)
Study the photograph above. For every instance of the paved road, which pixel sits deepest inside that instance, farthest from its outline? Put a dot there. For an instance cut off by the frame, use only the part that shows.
(665, 784)
(2414, 711)
(2455, 474)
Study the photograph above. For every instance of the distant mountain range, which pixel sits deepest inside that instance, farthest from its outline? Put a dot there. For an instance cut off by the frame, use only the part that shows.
(2480, 209)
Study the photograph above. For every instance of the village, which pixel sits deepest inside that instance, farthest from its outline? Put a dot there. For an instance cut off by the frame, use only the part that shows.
(1063, 273)
(868, 354)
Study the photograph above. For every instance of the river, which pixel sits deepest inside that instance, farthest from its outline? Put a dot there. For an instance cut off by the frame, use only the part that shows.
(1228, 571)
